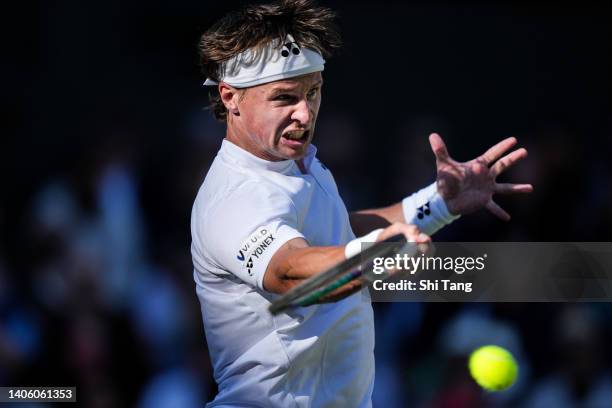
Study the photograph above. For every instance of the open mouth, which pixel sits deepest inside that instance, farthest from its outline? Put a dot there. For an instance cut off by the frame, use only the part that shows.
(295, 137)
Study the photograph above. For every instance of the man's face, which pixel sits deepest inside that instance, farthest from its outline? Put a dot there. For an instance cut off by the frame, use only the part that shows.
(275, 121)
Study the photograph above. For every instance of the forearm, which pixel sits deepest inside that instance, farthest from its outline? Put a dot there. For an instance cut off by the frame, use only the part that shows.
(364, 221)
(293, 264)
(296, 262)
(426, 209)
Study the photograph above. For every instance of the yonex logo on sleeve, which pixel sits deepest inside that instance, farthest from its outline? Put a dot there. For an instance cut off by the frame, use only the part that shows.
(252, 240)
(254, 247)
(265, 243)
(249, 266)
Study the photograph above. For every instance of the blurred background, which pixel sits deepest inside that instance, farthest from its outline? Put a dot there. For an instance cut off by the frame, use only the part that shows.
(106, 141)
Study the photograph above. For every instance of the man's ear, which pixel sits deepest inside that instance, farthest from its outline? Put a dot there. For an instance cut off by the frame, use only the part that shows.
(229, 97)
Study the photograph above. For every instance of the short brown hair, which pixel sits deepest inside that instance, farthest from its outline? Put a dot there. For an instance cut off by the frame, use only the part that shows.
(254, 26)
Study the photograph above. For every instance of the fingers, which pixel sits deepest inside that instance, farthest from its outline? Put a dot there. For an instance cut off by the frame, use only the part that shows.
(410, 231)
(413, 235)
(438, 147)
(496, 151)
(507, 161)
(398, 228)
(509, 188)
(497, 211)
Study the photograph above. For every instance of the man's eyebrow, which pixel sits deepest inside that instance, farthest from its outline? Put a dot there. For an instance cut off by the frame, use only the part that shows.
(289, 88)
(282, 88)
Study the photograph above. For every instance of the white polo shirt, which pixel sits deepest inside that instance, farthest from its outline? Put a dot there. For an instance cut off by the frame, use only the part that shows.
(317, 356)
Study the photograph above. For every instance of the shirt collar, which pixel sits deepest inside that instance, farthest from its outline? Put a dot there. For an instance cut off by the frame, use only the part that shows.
(233, 153)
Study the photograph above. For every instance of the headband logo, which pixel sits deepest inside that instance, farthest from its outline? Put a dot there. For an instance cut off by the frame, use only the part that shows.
(290, 46)
(278, 59)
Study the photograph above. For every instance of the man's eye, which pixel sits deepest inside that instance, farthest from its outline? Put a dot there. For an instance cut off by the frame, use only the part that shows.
(313, 93)
(283, 97)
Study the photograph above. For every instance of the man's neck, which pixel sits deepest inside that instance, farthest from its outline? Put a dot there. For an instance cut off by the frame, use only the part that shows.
(231, 136)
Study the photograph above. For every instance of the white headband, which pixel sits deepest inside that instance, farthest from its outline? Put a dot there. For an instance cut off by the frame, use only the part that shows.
(274, 62)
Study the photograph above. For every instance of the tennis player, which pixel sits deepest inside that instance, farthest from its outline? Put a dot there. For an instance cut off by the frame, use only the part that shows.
(268, 216)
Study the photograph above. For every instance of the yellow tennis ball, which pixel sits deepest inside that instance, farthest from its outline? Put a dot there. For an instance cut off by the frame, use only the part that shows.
(493, 368)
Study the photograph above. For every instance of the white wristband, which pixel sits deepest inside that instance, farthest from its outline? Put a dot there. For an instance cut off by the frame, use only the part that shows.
(427, 210)
(354, 246)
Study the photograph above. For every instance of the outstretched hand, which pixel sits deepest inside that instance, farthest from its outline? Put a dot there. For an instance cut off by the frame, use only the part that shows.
(469, 186)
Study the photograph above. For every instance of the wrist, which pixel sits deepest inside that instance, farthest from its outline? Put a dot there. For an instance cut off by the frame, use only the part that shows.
(427, 210)
(450, 207)
(354, 247)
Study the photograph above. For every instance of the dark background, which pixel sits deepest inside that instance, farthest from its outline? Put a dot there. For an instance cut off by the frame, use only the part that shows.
(106, 143)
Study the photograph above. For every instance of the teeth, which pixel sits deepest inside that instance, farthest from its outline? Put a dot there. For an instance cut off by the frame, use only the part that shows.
(294, 135)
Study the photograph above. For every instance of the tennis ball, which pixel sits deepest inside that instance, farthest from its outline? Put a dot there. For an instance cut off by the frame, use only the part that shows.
(493, 368)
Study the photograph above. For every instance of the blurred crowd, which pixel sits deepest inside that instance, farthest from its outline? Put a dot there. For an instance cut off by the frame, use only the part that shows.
(109, 143)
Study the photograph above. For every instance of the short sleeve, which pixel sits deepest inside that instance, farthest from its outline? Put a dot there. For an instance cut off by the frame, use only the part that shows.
(242, 231)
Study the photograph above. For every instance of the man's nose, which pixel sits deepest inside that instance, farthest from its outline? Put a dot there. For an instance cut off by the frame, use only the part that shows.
(303, 113)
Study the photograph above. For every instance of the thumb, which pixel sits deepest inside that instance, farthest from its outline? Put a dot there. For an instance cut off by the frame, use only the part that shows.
(438, 147)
